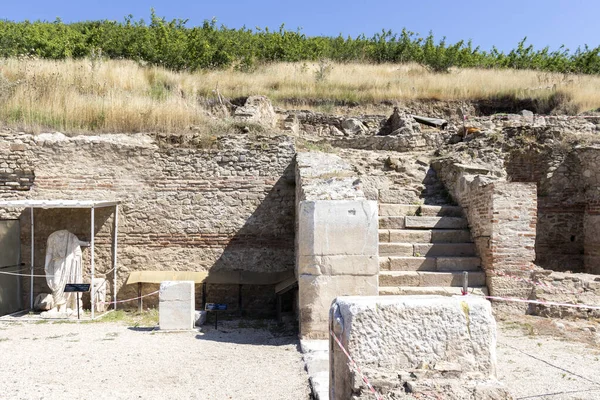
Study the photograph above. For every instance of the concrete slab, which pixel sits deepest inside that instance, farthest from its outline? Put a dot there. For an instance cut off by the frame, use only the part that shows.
(176, 305)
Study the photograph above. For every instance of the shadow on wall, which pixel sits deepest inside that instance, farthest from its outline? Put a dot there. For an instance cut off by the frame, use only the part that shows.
(259, 255)
(434, 191)
(77, 221)
(559, 243)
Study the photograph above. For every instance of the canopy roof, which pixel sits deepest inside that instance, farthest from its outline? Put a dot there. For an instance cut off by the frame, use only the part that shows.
(57, 203)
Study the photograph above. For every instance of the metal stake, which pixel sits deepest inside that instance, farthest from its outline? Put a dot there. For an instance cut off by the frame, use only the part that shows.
(465, 288)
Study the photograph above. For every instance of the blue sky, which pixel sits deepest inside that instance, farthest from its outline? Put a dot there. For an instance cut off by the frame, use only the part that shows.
(544, 22)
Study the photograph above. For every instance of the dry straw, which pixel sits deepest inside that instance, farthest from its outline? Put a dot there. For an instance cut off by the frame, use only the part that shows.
(124, 96)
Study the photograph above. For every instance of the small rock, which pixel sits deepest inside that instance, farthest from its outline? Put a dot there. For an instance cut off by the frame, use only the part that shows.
(353, 126)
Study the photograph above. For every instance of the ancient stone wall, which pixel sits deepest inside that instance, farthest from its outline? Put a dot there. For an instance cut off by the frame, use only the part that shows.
(226, 207)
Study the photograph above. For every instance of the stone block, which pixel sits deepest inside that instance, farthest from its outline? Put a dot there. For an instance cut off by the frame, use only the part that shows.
(337, 227)
(412, 263)
(200, 317)
(457, 263)
(338, 265)
(396, 249)
(393, 334)
(315, 294)
(445, 249)
(391, 222)
(176, 305)
(410, 236)
(436, 222)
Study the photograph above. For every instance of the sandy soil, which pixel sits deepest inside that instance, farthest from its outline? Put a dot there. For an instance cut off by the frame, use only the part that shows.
(542, 359)
(112, 361)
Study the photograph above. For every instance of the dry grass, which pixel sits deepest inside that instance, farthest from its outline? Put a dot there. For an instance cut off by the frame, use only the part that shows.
(122, 96)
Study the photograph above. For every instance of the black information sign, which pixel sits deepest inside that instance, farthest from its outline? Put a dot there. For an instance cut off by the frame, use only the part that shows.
(215, 307)
(77, 287)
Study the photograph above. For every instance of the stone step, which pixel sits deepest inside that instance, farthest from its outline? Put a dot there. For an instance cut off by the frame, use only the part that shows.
(392, 210)
(425, 236)
(440, 264)
(420, 278)
(427, 249)
(391, 222)
(397, 196)
(396, 249)
(444, 249)
(435, 222)
(432, 290)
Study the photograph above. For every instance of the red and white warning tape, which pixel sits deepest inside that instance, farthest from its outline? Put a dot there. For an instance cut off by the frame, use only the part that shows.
(355, 366)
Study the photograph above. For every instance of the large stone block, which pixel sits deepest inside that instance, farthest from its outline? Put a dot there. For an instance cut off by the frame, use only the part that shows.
(315, 294)
(338, 265)
(176, 305)
(337, 227)
(430, 336)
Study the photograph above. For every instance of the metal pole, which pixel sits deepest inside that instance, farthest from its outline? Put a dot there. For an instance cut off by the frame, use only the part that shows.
(32, 260)
(115, 228)
(92, 255)
(465, 288)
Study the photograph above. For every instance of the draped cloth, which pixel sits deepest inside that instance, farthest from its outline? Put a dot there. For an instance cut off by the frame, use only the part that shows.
(63, 265)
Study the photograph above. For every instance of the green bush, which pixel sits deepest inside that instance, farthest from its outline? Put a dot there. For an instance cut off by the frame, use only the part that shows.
(174, 45)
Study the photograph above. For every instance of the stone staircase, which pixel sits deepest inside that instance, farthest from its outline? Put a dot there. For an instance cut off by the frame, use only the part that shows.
(424, 249)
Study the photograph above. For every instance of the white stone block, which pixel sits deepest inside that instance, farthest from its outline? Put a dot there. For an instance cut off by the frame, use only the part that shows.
(403, 333)
(176, 305)
(338, 227)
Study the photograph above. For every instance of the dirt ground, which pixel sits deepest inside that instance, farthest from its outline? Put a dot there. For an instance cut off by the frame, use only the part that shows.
(110, 360)
(540, 358)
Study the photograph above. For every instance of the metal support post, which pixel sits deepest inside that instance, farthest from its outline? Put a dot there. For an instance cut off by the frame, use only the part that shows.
(92, 255)
(115, 237)
(32, 260)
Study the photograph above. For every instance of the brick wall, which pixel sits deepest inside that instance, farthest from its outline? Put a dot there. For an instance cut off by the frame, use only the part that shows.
(226, 208)
(561, 206)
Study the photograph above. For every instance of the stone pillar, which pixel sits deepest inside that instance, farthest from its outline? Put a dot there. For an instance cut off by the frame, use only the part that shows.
(337, 255)
(411, 343)
(176, 305)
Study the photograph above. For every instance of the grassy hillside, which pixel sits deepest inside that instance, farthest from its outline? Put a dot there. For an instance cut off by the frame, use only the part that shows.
(122, 96)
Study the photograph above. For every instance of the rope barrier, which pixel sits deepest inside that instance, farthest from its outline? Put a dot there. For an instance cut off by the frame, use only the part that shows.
(355, 367)
(125, 301)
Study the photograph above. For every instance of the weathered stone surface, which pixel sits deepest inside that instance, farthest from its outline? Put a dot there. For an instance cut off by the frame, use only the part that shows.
(392, 338)
(342, 227)
(43, 302)
(353, 126)
(257, 109)
(412, 263)
(429, 278)
(436, 222)
(445, 249)
(338, 265)
(316, 294)
(176, 305)
(396, 249)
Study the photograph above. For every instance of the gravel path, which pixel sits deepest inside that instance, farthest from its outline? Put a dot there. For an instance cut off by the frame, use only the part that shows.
(112, 361)
(558, 367)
